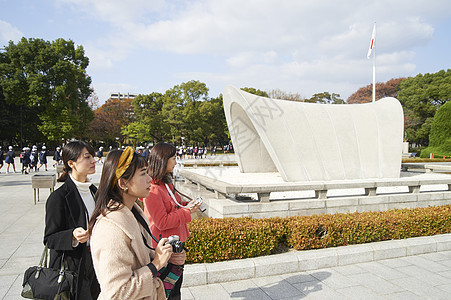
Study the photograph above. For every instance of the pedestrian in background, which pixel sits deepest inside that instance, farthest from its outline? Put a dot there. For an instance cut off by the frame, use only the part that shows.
(34, 159)
(99, 155)
(43, 157)
(25, 159)
(9, 159)
(1, 158)
(57, 156)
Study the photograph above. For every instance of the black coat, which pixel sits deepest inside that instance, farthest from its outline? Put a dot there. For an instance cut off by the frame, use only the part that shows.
(66, 211)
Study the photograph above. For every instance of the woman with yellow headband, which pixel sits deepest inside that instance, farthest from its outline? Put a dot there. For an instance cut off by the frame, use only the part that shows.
(126, 265)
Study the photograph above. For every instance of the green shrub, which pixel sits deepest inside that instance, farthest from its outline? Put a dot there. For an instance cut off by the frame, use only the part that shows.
(232, 238)
(214, 240)
(441, 126)
(439, 151)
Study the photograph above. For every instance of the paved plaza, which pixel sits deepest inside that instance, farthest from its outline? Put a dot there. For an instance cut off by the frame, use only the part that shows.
(425, 275)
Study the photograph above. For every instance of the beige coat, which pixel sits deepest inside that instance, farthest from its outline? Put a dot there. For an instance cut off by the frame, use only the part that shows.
(120, 257)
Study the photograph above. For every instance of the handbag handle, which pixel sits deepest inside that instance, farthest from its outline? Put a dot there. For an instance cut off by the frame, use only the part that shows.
(42, 262)
(44, 257)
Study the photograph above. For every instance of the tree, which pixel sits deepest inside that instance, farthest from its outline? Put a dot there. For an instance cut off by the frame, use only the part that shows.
(16, 119)
(441, 125)
(440, 132)
(181, 110)
(49, 79)
(213, 128)
(326, 98)
(110, 118)
(278, 94)
(149, 124)
(255, 91)
(422, 96)
(365, 94)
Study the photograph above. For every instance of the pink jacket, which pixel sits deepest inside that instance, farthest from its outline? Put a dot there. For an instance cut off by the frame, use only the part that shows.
(165, 217)
(120, 258)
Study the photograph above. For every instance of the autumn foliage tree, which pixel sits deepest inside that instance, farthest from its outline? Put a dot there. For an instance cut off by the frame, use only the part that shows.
(110, 118)
(383, 89)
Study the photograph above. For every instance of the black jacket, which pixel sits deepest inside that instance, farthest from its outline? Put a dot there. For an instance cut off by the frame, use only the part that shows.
(66, 211)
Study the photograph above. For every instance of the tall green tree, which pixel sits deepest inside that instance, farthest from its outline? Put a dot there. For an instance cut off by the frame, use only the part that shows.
(326, 98)
(149, 124)
(255, 91)
(421, 96)
(440, 136)
(50, 79)
(181, 110)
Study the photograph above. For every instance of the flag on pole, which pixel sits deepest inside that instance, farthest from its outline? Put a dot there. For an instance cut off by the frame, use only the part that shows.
(373, 40)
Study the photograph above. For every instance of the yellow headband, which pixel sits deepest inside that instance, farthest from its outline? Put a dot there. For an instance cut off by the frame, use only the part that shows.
(124, 162)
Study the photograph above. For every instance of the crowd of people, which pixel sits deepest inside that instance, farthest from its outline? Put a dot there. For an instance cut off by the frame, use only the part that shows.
(117, 236)
(32, 159)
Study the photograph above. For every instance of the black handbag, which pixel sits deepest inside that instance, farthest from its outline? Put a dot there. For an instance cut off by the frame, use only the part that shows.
(40, 282)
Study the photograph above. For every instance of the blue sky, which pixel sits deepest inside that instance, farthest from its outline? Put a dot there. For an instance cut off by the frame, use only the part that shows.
(305, 47)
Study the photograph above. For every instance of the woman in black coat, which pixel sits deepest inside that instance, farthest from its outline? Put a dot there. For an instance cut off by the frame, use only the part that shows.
(68, 210)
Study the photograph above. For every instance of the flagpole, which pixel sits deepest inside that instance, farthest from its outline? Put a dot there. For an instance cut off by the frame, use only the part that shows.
(374, 67)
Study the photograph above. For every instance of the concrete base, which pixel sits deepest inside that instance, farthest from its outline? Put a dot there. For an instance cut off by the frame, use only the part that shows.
(411, 191)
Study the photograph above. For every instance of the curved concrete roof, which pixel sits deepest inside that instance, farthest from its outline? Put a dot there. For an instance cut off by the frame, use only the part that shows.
(309, 141)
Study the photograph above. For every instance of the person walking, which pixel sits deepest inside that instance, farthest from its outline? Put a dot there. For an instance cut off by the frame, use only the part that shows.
(126, 266)
(25, 159)
(1, 158)
(43, 157)
(99, 155)
(67, 212)
(57, 156)
(9, 159)
(163, 205)
(34, 159)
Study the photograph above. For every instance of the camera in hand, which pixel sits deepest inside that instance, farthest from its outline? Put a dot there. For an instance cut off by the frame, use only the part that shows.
(202, 205)
(177, 245)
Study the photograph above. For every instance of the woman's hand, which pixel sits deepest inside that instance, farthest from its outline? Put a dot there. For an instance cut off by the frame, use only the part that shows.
(193, 207)
(162, 254)
(81, 235)
(178, 258)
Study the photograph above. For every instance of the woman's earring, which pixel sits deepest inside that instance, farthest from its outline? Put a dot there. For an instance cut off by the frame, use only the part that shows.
(126, 189)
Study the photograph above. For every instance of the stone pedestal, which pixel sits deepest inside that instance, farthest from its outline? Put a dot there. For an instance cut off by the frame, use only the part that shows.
(42, 181)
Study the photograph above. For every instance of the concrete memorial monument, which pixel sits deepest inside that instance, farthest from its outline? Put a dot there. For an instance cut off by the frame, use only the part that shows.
(312, 142)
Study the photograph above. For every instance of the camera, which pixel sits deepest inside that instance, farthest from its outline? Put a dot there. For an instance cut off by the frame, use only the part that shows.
(177, 245)
(202, 205)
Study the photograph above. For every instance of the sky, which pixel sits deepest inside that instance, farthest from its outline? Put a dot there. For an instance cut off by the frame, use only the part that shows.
(297, 46)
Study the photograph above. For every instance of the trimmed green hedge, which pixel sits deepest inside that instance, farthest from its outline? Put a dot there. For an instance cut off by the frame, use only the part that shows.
(215, 240)
(426, 160)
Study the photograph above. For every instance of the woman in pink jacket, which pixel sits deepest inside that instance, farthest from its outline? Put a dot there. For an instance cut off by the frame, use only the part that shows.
(163, 206)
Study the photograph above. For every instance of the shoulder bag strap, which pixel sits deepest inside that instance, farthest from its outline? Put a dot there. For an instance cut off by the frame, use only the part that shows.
(143, 223)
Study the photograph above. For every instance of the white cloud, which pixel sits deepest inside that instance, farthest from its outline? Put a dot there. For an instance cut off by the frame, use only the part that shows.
(302, 46)
(9, 33)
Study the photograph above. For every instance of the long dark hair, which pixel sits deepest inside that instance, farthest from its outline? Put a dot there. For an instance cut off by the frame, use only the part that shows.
(72, 151)
(158, 161)
(108, 196)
